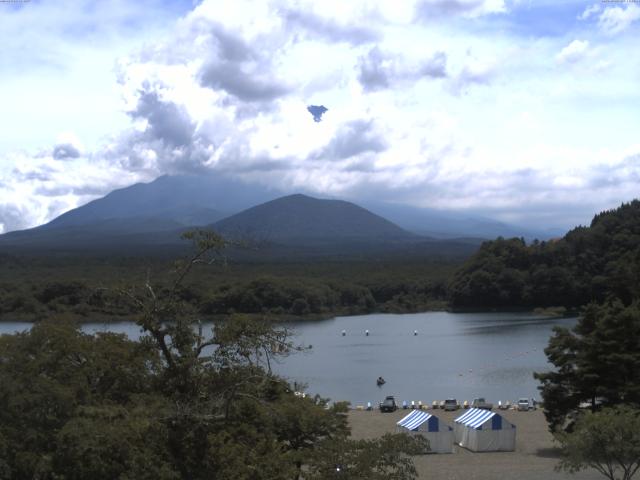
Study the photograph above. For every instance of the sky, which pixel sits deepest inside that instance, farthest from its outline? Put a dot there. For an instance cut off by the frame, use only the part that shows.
(525, 111)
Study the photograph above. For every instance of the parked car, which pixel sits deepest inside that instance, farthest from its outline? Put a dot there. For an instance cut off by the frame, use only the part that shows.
(389, 404)
(523, 404)
(451, 404)
(481, 403)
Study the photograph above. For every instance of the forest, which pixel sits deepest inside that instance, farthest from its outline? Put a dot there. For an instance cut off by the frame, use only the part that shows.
(89, 288)
(589, 264)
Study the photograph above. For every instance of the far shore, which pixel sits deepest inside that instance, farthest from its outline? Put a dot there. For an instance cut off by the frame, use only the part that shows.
(559, 312)
(535, 456)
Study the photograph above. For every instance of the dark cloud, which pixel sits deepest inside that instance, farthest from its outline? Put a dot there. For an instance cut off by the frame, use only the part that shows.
(63, 151)
(379, 70)
(317, 111)
(241, 70)
(248, 87)
(375, 70)
(353, 138)
(40, 173)
(14, 217)
(625, 172)
(330, 30)
(165, 120)
(435, 67)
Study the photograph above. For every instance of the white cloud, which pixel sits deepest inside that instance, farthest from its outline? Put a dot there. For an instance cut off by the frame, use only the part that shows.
(574, 52)
(450, 113)
(614, 20)
(590, 11)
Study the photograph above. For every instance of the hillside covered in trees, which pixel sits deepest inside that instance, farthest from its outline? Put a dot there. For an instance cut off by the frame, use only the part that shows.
(588, 264)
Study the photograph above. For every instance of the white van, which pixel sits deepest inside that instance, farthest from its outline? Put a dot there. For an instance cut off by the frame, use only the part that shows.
(523, 404)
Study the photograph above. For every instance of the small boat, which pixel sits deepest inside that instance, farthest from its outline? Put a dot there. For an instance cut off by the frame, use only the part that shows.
(380, 381)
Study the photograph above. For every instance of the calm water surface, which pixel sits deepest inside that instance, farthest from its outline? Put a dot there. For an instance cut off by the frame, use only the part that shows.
(454, 355)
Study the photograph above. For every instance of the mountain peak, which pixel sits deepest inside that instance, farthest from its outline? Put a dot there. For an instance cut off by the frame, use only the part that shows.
(299, 217)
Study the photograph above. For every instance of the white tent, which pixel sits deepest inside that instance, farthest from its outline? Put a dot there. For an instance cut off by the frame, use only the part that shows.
(439, 434)
(484, 431)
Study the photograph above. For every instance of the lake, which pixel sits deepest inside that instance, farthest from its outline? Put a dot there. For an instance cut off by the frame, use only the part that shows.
(459, 355)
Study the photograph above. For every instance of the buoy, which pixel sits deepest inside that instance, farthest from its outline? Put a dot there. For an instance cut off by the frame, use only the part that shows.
(415, 332)
(366, 332)
(344, 333)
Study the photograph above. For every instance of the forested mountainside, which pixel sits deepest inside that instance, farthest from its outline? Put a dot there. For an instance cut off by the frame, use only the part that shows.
(587, 264)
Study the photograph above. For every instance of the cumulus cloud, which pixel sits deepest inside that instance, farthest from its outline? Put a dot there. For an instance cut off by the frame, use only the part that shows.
(379, 70)
(574, 52)
(316, 26)
(354, 138)
(590, 11)
(227, 90)
(473, 72)
(434, 9)
(614, 20)
(241, 70)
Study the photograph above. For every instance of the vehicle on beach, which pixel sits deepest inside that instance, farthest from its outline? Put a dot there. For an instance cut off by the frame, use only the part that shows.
(480, 402)
(450, 405)
(389, 404)
(524, 405)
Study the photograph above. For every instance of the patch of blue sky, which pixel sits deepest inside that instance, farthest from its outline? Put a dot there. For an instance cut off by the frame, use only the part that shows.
(541, 19)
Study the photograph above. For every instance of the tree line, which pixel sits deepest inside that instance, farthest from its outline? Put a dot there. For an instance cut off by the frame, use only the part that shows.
(265, 292)
(589, 264)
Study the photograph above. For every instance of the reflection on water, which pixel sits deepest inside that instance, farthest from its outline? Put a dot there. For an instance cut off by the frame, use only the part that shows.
(463, 356)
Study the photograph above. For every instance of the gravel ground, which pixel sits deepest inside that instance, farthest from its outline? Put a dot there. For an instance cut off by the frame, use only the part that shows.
(535, 456)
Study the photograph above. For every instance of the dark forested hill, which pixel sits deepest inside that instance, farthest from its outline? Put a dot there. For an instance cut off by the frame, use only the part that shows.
(589, 263)
(299, 219)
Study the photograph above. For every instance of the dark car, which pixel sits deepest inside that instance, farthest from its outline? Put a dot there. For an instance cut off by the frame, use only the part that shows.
(389, 405)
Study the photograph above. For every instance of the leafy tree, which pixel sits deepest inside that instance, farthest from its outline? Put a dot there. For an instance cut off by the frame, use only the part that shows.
(179, 403)
(386, 458)
(596, 362)
(587, 264)
(607, 441)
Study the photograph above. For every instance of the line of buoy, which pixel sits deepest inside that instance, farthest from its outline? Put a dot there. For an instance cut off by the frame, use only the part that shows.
(366, 332)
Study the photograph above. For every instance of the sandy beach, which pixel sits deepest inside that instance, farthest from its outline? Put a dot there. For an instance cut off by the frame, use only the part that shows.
(535, 456)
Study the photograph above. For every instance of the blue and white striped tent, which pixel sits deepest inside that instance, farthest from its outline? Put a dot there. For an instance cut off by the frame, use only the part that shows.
(439, 434)
(484, 431)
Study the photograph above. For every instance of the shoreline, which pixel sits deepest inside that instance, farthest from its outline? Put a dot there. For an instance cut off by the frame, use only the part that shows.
(286, 319)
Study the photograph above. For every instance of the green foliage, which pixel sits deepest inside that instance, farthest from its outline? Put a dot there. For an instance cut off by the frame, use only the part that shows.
(89, 288)
(386, 458)
(607, 441)
(178, 404)
(588, 264)
(597, 362)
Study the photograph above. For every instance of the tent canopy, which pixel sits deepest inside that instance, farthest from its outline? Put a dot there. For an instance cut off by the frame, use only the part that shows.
(476, 418)
(416, 418)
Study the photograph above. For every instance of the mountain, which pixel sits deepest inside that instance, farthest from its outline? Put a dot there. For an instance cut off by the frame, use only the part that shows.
(303, 220)
(449, 224)
(185, 200)
(155, 213)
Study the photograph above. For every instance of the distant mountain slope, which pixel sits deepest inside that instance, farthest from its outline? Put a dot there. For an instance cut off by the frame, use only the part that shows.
(299, 219)
(186, 200)
(448, 224)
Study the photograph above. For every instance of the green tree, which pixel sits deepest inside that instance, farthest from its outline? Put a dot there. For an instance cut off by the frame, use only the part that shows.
(179, 403)
(386, 458)
(607, 441)
(598, 362)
